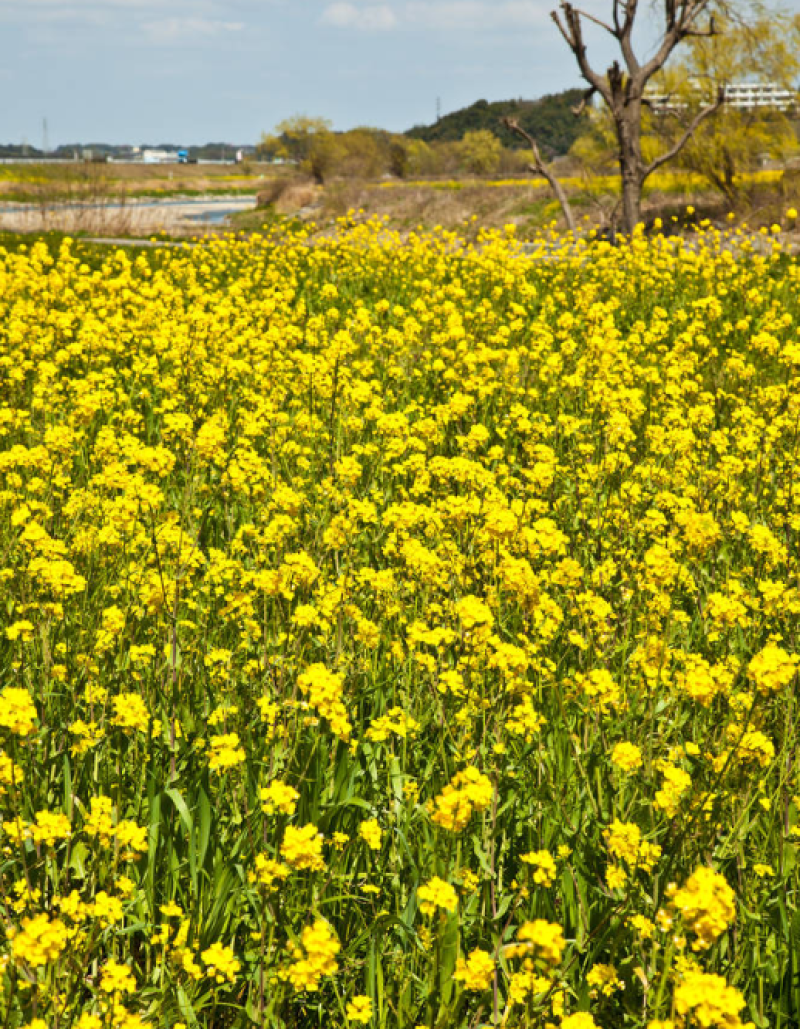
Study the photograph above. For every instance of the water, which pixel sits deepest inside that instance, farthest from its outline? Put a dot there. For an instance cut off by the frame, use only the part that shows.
(201, 210)
(218, 216)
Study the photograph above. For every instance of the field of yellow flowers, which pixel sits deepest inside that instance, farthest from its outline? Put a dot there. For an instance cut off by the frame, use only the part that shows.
(400, 633)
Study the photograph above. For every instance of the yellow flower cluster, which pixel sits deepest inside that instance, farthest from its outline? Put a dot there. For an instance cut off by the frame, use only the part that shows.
(624, 842)
(475, 971)
(40, 940)
(128, 838)
(396, 721)
(324, 691)
(302, 848)
(220, 962)
(268, 872)
(372, 834)
(278, 798)
(773, 668)
(469, 790)
(705, 903)
(225, 751)
(117, 978)
(603, 980)
(543, 864)
(709, 1000)
(17, 713)
(538, 941)
(359, 1009)
(437, 894)
(627, 757)
(314, 957)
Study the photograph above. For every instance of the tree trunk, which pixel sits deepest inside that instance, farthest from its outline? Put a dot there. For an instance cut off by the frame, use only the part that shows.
(627, 117)
(631, 202)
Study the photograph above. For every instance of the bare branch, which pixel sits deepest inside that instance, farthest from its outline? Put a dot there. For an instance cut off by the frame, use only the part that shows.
(570, 28)
(669, 11)
(625, 37)
(688, 13)
(580, 107)
(568, 38)
(700, 117)
(541, 168)
(706, 33)
(681, 17)
(597, 21)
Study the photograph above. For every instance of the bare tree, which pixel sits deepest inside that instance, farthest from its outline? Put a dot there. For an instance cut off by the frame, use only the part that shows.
(623, 89)
(538, 167)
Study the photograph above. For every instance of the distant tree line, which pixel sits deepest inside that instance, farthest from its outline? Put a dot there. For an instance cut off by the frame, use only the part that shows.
(368, 153)
(550, 120)
(68, 151)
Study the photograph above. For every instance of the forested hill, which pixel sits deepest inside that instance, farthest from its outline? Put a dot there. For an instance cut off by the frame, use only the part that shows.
(549, 120)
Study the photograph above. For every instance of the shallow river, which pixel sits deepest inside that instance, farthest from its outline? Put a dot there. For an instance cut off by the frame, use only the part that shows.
(147, 215)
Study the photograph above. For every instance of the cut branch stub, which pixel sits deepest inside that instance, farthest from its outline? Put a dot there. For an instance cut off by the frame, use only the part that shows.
(580, 107)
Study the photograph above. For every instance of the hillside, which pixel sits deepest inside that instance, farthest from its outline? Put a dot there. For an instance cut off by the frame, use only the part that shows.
(549, 120)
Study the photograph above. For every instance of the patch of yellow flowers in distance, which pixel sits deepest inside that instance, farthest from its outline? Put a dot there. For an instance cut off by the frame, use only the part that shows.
(400, 632)
(682, 182)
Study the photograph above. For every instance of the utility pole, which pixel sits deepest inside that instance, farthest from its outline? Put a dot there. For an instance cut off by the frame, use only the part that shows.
(438, 108)
(45, 140)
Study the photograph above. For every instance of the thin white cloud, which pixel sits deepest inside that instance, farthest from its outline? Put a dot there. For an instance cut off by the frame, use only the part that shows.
(76, 7)
(177, 30)
(369, 18)
(39, 13)
(452, 15)
(476, 14)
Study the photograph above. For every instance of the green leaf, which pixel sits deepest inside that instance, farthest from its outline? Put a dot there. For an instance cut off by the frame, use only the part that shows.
(77, 859)
(153, 837)
(185, 1006)
(794, 931)
(448, 955)
(481, 855)
(67, 787)
(188, 823)
(206, 820)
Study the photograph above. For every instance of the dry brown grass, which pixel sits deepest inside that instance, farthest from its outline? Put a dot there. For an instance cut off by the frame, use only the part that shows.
(296, 196)
(408, 206)
(529, 208)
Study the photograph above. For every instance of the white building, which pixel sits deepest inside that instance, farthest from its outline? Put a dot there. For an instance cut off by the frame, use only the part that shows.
(740, 96)
(745, 96)
(159, 157)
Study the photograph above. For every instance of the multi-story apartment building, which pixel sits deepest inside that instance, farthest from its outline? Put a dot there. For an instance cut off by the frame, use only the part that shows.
(741, 96)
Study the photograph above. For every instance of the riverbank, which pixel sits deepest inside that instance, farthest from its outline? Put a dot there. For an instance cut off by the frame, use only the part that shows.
(124, 217)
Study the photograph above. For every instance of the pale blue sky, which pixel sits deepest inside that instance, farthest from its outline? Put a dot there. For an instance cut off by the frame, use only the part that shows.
(191, 71)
